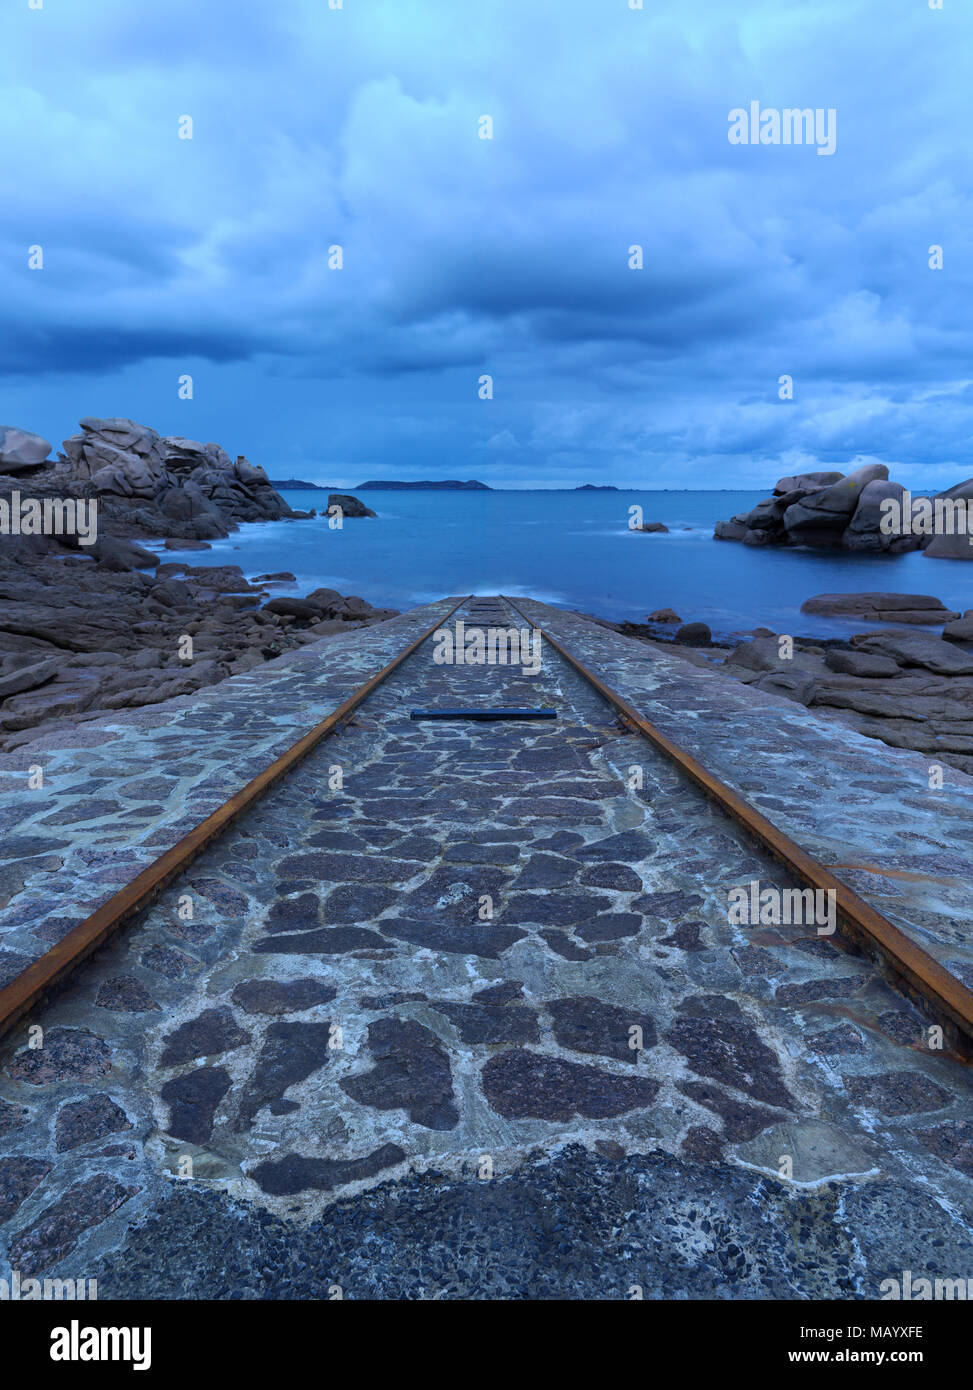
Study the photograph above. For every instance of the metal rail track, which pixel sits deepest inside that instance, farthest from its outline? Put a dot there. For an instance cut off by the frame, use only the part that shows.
(911, 969)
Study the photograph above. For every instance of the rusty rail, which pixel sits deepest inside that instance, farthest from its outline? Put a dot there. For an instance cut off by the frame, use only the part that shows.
(910, 968)
(18, 997)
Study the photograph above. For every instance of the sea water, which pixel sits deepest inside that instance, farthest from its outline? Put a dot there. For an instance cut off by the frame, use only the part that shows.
(575, 550)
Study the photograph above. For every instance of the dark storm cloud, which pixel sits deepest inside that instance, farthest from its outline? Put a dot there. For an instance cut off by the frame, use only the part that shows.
(358, 128)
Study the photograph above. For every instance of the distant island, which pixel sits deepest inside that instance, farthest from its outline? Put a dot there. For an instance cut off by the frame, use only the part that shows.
(596, 487)
(295, 485)
(447, 484)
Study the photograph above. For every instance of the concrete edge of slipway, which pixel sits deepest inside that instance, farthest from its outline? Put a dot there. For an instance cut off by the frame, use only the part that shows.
(97, 731)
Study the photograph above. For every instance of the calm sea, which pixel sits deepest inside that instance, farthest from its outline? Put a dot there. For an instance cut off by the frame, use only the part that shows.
(574, 550)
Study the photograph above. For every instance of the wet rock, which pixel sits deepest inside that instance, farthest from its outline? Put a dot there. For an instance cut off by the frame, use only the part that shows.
(293, 608)
(468, 852)
(491, 1024)
(609, 1148)
(339, 868)
(327, 941)
(668, 906)
(59, 1227)
(486, 939)
(12, 1117)
(897, 1092)
(281, 996)
(350, 506)
(84, 1120)
(12, 964)
(919, 649)
(861, 664)
(291, 1052)
(411, 1073)
(731, 1051)
(294, 1173)
(123, 994)
(120, 555)
(834, 1041)
(357, 902)
(192, 1101)
(228, 901)
(453, 890)
(564, 946)
(685, 937)
(881, 607)
(694, 635)
(828, 987)
(167, 961)
(27, 677)
(962, 629)
(210, 1033)
(617, 876)
(18, 1178)
(552, 909)
(903, 1028)
(740, 1121)
(547, 871)
(294, 914)
(67, 1054)
(21, 451)
(729, 531)
(702, 1144)
(609, 926)
(627, 845)
(521, 1085)
(831, 509)
(392, 999)
(952, 1142)
(586, 1024)
(504, 993)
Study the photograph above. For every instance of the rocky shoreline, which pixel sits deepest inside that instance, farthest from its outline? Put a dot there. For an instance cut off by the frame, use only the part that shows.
(910, 689)
(86, 629)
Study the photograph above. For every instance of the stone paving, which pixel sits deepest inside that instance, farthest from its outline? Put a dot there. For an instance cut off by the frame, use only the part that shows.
(457, 1011)
(83, 811)
(863, 809)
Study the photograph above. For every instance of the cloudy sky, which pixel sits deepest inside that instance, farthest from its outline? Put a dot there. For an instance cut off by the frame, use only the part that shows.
(360, 127)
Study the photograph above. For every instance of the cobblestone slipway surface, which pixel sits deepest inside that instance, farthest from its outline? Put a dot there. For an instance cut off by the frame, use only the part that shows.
(317, 1062)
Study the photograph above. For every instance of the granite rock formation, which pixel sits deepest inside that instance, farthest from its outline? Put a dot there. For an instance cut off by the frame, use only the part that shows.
(20, 450)
(841, 511)
(90, 628)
